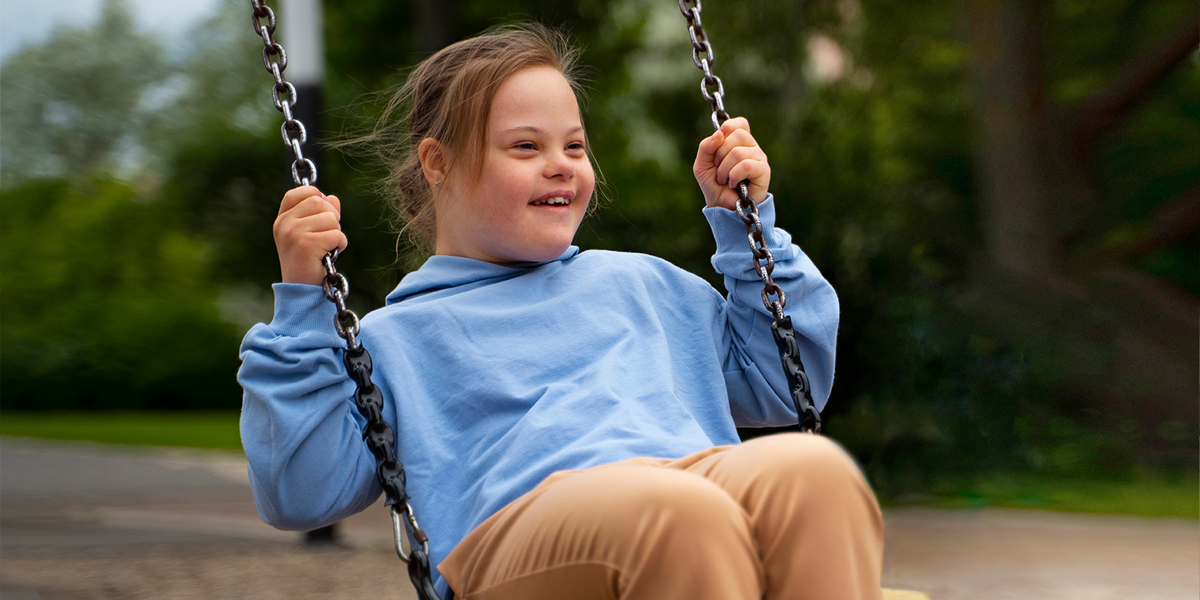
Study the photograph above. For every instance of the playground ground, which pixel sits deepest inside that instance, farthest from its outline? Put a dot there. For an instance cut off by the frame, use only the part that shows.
(89, 521)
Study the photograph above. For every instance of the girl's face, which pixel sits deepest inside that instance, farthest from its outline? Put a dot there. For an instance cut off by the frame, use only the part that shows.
(536, 179)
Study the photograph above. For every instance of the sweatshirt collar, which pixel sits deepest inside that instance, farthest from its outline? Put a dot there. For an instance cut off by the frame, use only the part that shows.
(441, 272)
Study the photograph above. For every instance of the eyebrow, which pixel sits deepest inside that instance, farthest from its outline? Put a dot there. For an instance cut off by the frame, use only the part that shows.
(538, 130)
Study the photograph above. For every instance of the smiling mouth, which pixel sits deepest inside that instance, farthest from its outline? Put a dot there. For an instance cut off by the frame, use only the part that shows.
(555, 201)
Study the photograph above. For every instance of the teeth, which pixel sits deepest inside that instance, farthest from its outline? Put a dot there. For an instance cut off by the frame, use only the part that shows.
(556, 201)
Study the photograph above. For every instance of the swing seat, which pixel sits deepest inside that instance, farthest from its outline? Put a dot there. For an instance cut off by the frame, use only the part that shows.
(904, 595)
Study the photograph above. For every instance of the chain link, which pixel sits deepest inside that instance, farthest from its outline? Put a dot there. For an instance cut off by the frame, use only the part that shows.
(713, 91)
(283, 94)
(378, 435)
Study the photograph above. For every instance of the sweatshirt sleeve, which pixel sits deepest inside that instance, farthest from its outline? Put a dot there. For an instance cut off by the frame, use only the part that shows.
(758, 390)
(300, 429)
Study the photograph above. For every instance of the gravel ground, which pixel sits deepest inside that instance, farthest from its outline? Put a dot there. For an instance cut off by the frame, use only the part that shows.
(86, 521)
(207, 571)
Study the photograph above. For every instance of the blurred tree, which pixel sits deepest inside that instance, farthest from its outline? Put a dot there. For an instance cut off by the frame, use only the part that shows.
(1034, 145)
(117, 304)
(107, 304)
(82, 100)
(1013, 141)
(1094, 325)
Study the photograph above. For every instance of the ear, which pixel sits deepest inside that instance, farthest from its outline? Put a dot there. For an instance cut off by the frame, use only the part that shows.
(433, 160)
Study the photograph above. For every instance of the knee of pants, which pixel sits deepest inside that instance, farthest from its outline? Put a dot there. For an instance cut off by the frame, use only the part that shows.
(671, 507)
(683, 498)
(800, 458)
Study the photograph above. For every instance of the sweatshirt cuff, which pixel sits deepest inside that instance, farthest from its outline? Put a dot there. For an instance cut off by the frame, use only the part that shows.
(730, 231)
(302, 308)
(733, 257)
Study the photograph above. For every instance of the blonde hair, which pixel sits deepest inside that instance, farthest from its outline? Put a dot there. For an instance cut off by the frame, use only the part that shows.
(448, 97)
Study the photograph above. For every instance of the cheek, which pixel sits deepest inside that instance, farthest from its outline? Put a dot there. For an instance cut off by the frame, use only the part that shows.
(511, 182)
(501, 189)
(587, 180)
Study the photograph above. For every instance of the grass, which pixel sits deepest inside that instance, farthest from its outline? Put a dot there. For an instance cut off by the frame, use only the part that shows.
(1149, 495)
(137, 428)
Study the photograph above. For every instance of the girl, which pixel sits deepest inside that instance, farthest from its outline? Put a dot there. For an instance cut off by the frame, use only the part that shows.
(567, 418)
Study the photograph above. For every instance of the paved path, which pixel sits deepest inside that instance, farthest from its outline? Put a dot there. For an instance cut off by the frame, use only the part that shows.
(1011, 554)
(85, 521)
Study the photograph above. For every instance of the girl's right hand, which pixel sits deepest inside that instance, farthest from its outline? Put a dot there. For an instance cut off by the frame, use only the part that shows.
(308, 227)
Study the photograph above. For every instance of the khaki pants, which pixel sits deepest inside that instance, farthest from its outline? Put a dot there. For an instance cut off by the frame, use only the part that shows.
(781, 517)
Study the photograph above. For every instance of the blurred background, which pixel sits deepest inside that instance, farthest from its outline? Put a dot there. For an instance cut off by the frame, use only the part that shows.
(1005, 193)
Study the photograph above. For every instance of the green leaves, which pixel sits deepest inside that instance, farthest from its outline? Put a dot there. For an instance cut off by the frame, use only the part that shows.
(106, 303)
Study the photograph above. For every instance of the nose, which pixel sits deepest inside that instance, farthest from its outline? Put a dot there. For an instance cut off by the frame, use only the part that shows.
(559, 165)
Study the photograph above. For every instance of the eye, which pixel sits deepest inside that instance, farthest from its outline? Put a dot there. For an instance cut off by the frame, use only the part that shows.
(575, 146)
(525, 146)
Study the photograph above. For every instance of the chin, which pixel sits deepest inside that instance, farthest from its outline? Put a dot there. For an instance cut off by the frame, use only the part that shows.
(548, 254)
(542, 252)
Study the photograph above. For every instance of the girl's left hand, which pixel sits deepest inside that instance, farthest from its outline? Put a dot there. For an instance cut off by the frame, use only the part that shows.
(727, 157)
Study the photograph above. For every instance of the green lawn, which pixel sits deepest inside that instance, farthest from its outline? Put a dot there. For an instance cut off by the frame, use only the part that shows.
(1149, 495)
(188, 429)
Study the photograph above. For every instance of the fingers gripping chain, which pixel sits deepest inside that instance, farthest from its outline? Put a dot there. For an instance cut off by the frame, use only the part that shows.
(378, 435)
(713, 91)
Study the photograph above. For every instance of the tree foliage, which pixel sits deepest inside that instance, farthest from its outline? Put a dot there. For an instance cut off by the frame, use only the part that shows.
(80, 101)
(107, 304)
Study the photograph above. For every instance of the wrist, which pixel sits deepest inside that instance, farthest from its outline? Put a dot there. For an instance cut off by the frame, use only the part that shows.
(312, 273)
(729, 230)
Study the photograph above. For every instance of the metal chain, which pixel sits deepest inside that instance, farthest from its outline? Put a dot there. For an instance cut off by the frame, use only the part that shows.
(713, 90)
(377, 434)
(283, 94)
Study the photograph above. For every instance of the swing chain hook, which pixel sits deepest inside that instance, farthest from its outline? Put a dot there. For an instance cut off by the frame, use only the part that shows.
(400, 537)
(417, 559)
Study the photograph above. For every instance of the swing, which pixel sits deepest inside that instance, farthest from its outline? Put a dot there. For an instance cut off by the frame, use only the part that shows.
(378, 435)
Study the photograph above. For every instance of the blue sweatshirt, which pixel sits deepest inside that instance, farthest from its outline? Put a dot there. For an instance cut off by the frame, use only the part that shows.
(497, 376)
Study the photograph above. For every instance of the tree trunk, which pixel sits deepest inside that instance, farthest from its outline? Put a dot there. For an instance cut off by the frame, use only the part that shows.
(1011, 140)
(1120, 338)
